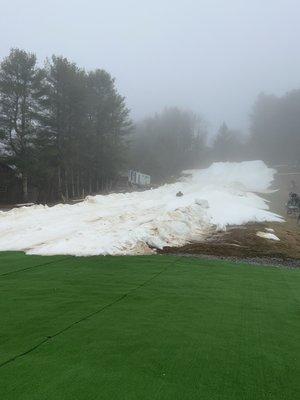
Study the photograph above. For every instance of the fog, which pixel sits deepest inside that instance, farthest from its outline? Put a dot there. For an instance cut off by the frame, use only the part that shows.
(211, 56)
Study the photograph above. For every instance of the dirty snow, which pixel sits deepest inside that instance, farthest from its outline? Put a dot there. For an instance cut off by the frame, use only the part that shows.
(136, 223)
(266, 235)
(269, 230)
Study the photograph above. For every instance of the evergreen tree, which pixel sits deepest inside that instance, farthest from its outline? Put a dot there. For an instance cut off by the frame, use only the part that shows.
(109, 124)
(169, 142)
(275, 128)
(63, 122)
(62, 127)
(227, 145)
(20, 89)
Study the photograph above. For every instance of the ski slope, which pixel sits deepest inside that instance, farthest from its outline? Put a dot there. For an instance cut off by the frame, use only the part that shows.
(140, 222)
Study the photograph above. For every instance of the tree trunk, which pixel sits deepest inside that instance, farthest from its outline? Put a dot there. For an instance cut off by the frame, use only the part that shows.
(25, 187)
(59, 187)
(66, 185)
(78, 184)
(90, 184)
(72, 183)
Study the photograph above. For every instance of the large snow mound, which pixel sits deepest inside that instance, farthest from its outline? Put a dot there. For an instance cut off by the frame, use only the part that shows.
(139, 222)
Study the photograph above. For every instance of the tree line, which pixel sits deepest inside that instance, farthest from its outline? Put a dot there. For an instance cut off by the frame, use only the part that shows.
(175, 139)
(274, 134)
(275, 128)
(67, 132)
(62, 128)
(169, 142)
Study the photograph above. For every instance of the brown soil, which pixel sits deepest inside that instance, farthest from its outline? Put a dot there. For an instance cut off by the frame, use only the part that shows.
(243, 242)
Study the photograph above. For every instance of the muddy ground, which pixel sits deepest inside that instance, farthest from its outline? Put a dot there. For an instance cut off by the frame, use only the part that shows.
(241, 243)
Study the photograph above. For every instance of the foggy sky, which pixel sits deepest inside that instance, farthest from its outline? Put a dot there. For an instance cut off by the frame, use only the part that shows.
(211, 56)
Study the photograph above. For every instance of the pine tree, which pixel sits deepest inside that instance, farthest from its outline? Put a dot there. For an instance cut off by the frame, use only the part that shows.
(109, 125)
(168, 143)
(227, 146)
(64, 128)
(63, 121)
(20, 84)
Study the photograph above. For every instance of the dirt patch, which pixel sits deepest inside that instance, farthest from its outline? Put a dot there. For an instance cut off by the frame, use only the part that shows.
(242, 241)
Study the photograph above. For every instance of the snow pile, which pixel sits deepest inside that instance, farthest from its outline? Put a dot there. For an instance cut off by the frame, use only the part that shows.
(136, 223)
(266, 235)
(269, 230)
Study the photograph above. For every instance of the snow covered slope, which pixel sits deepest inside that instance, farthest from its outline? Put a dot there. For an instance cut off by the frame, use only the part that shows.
(134, 223)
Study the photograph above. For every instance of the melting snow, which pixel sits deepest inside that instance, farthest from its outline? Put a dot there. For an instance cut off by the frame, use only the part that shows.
(269, 230)
(265, 235)
(136, 223)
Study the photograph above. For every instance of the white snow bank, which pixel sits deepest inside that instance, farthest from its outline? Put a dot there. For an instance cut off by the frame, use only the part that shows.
(269, 236)
(135, 223)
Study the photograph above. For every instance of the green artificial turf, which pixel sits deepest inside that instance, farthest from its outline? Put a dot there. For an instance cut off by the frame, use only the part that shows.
(153, 327)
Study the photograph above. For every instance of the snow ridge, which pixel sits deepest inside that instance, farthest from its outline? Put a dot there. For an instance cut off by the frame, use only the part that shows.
(140, 222)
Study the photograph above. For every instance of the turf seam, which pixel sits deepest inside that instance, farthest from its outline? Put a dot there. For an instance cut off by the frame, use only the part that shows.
(88, 316)
(32, 267)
